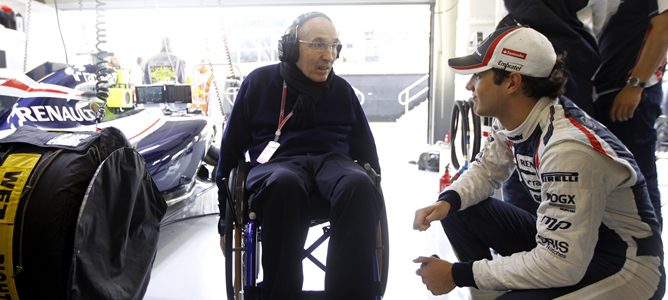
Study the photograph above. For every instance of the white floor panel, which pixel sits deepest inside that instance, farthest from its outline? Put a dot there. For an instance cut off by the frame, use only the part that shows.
(189, 263)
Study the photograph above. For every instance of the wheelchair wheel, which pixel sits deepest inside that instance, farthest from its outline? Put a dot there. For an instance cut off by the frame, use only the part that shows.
(233, 257)
(382, 253)
(382, 261)
(236, 236)
(228, 254)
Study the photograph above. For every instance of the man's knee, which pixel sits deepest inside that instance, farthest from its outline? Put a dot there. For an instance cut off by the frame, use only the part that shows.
(357, 181)
(470, 219)
(283, 193)
(457, 219)
(355, 199)
(453, 222)
(357, 190)
(284, 181)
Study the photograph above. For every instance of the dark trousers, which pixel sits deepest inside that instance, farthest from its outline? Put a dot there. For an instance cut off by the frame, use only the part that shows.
(282, 188)
(507, 229)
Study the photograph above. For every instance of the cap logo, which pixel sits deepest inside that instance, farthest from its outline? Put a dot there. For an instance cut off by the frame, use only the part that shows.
(509, 65)
(514, 53)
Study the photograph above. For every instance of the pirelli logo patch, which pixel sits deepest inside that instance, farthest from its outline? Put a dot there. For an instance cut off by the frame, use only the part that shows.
(560, 177)
(14, 174)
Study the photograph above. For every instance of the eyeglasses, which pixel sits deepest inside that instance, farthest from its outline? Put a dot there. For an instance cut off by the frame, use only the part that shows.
(322, 46)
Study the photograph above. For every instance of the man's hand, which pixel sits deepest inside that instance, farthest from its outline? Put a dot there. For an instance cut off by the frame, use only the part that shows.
(222, 244)
(436, 274)
(625, 104)
(435, 212)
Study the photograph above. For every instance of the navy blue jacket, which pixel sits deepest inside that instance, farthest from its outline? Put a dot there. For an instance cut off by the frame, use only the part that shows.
(340, 127)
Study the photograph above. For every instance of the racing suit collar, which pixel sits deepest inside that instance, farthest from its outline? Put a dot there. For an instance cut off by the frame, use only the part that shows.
(524, 131)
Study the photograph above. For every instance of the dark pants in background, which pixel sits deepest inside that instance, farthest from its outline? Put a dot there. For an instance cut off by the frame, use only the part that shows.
(282, 188)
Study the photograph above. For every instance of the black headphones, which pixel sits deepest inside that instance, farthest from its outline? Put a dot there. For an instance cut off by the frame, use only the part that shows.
(288, 45)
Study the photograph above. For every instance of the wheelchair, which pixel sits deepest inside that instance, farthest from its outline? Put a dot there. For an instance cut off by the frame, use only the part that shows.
(243, 256)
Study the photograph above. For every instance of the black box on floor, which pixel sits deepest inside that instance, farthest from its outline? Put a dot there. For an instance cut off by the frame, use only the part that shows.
(178, 93)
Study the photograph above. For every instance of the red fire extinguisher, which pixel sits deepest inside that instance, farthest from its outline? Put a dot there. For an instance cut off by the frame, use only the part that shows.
(445, 179)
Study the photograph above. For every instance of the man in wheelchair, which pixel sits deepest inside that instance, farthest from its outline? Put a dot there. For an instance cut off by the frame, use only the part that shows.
(300, 127)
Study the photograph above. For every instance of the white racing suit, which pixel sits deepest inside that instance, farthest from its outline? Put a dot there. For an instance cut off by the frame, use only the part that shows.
(595, 234)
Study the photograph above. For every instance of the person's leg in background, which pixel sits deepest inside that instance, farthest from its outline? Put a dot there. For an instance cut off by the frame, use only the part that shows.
(281, 190)
(355, 205)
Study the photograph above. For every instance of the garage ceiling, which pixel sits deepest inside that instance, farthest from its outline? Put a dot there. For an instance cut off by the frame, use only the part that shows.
(117, 4)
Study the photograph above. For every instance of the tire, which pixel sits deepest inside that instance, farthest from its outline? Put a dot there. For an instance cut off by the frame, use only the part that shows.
(383, 250)
(229, 224)
(235, 220)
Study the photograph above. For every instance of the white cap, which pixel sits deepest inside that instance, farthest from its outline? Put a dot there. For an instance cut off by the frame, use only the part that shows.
(515, 48)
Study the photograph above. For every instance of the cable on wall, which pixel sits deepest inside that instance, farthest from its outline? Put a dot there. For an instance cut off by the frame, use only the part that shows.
(26, 28)
(103, 71)
(60, 31)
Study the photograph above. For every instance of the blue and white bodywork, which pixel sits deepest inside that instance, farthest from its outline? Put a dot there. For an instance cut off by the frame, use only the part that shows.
(173, 143)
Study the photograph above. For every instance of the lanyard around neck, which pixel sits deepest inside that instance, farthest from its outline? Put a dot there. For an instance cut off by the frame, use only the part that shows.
(282, 118)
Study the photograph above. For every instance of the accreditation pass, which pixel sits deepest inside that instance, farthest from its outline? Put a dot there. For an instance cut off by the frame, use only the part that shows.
(268, 152)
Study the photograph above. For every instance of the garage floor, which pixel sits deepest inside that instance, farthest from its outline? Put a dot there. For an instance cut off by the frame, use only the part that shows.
(190, 265)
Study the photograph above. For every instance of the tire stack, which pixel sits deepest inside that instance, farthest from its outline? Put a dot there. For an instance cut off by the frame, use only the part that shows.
(79, 218)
